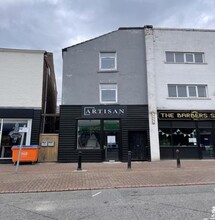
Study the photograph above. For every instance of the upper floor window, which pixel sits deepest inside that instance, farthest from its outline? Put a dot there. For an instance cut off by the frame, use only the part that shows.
(191, 91)
(108, 93)
(107, 61)
(184, 57)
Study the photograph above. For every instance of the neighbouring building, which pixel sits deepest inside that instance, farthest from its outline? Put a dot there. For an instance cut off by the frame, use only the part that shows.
(184, 68)
(146, 90)
(28, 97)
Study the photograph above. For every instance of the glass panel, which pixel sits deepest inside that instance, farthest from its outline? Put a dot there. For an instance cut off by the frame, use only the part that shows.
(108, 95)
(108, 60)
(201, 91)
(198, 57)
(189, 57)
(192, 91)
(11, 136)
(206, 143)
(169, 57)
(165, 136)
(182, 92)
(108, 63)
(172, 91)
(111, 125)
(179, 57)
(184, 137)
(88, 136)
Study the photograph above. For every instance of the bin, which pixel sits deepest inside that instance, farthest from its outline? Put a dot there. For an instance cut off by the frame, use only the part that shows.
(29, 153)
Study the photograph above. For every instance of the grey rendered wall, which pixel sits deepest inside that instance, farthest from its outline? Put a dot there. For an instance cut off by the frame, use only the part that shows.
(81, 76)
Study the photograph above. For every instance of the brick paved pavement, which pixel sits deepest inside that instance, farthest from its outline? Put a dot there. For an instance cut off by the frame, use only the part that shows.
(48, 177)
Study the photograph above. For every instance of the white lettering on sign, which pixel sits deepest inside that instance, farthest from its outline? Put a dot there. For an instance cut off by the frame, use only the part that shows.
(100, 111)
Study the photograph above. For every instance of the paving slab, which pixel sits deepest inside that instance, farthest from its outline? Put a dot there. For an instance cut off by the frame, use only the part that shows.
(52, 177)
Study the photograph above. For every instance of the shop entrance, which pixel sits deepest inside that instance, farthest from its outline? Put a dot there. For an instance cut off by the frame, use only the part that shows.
(111, 139)
(111, 146)
(138, 145)
(206, 144)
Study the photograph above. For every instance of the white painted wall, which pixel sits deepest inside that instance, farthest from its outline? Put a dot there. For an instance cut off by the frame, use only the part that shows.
(151, 89)
(21, 77)
(184, 41)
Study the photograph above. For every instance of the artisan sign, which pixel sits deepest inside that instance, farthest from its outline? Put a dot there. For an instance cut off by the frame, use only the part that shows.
(192, 115)
(104, 111)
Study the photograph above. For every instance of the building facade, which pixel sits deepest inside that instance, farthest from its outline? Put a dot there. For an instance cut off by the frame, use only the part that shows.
(185, 88)
(27, 93)
(104, 111)
(146, 90)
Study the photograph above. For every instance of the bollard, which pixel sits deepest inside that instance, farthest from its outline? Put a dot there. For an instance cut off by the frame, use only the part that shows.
(178, 159)
(79, 160)
(129, 159)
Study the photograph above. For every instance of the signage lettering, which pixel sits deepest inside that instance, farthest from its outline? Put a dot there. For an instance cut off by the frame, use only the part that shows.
(192, 115)
(104, 111)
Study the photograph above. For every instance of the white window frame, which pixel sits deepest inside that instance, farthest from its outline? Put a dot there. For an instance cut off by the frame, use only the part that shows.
(115, 61)
(185, 59)
(102, 88)
(187, 91)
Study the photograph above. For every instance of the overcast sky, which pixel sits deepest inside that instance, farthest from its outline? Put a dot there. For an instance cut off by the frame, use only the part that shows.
(55, 24)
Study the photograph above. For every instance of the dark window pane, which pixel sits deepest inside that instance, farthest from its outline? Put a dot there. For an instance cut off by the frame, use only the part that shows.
(182, 91)
(201, 91)
(189, 57)
(172, 91)
(179, 57)
(198, 58)
(169, 57)
(108, 95)
(111, 125)
(192, 91)
(165, 136)
(88, 136)
(184, 137)
(108, 63)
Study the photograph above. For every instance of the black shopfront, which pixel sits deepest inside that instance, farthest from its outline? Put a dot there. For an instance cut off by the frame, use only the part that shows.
(103, 133)
(192, 132)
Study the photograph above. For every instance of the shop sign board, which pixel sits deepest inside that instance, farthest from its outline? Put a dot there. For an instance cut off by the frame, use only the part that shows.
(106, 111)
(186, 115)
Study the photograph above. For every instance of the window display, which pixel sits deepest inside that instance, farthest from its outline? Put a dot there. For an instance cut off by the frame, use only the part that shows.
(10, 135)
(88, 134)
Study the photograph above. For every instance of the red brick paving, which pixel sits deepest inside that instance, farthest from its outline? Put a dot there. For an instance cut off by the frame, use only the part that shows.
(48, 177)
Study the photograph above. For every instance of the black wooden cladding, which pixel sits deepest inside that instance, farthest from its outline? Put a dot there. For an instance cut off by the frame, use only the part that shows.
(35, 131)
(136, 120)
(16, 113)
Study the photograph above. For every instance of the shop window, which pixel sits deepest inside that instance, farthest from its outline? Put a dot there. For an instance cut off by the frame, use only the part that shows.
(111, 125)
(165, 137)
(184, 137)
(10, 135)
(177, 137)
(108, 61)
(88, 134)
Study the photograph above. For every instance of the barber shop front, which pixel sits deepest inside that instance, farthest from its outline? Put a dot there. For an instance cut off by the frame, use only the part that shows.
(103, 133)
(192, 132)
